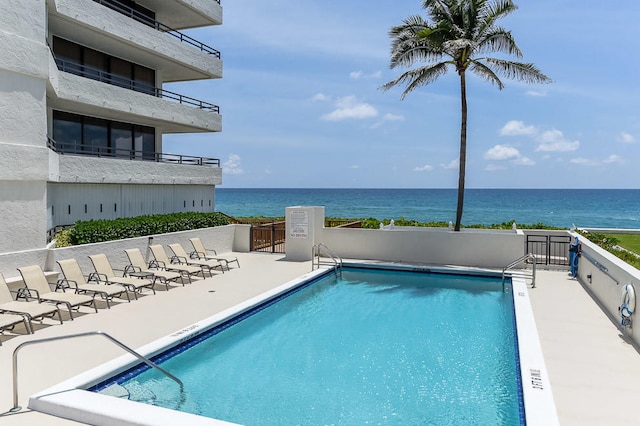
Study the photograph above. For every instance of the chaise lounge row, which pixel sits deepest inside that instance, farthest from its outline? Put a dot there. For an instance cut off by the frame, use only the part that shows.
(36, 300)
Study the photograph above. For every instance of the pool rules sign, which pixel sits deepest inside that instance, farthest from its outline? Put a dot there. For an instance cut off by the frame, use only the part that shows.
(299, 224)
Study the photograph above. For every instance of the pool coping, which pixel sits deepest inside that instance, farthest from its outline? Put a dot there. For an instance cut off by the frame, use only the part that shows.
(70, 400)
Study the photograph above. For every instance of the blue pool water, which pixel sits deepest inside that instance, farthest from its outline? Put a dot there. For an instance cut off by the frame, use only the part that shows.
(372, 347)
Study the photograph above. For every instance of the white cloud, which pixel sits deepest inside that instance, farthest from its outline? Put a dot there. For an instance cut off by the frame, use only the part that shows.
(320, 97)
(502, 152)
(359, 74)
(392, 117)
(583, 162)
(554, 141)
(355, 166)
(524, 161)
(232, 165)
(626, 138)
(425, 168)
(349, 107)
(494, 167)
(613, 158)
(535, 93)
(453, 164)
(515, 128)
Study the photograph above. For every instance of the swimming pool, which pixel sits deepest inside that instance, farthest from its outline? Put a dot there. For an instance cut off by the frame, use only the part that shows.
(383, 347)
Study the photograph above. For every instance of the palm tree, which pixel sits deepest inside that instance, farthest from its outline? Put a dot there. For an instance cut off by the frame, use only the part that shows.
(458, 32)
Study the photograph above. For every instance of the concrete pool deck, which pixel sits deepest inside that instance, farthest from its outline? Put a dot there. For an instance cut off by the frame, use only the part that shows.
(591, 368)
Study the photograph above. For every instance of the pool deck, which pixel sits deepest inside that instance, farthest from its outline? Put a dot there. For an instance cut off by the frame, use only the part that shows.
(591, 368)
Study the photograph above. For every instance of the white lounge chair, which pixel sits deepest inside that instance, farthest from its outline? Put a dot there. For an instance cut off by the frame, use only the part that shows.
(200, 252)
(105, 273)
(8, 321)
(138, 265)
(32, 309)
(37, 286)
(181, 256)
(73, 278)
(162, 261)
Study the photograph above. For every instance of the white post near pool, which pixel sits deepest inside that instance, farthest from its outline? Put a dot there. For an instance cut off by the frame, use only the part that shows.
(303, 227)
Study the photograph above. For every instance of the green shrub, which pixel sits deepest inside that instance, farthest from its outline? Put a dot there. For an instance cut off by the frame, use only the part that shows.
(95, 231)
(63, 238)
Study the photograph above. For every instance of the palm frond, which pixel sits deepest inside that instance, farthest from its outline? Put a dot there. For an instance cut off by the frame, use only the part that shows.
(480, 69)
(522, 71)
(499, 40)
(417, 77)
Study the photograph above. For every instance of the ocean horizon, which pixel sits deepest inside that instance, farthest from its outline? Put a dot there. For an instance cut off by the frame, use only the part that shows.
(597, 208)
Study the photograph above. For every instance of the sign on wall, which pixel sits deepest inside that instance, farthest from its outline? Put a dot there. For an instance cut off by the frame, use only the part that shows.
(299, 224)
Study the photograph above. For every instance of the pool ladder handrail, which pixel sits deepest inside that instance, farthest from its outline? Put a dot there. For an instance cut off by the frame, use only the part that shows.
(147, 361)
(316, 252)
(527, 258)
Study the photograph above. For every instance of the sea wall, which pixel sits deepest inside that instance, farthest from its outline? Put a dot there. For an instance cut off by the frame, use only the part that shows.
(435, 246)
(603, 276)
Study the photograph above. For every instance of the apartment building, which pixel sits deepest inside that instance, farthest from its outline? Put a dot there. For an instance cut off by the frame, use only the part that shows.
(83, 112)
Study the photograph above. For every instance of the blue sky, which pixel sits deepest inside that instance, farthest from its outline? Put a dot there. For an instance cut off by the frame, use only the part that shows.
(301, 104)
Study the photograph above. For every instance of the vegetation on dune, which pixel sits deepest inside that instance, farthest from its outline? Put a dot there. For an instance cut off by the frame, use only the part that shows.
(624, 246)
(458, 34)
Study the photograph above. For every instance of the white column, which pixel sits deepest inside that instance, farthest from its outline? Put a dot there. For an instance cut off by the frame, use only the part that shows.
(304, 228)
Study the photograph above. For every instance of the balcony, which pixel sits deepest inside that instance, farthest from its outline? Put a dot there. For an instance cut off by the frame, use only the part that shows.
(116, 80)
(176, 57)
(151, 22)
(130, 154)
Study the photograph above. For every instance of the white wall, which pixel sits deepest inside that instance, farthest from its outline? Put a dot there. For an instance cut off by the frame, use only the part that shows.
(219, 238)
(435, 246)
(606, 286)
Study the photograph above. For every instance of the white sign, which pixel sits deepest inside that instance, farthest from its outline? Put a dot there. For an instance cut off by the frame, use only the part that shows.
(299, 224)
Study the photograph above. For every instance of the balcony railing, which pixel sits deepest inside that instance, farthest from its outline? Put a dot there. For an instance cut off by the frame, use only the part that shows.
(104, 151)
(146, 20)
(97, 74)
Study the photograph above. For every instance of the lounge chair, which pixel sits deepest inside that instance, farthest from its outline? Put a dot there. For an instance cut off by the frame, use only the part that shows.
(162, 261)
(37, 286)
(104, 272)
(73, 278)
(181, 256)
(33, 310)
(200, 252)
(138, 265)
(8, 321)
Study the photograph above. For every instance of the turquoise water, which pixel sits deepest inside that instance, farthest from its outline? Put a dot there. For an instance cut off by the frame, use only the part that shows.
(618, 208)
(375, 347)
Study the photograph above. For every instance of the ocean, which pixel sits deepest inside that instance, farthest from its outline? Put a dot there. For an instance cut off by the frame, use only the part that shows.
(616, 208)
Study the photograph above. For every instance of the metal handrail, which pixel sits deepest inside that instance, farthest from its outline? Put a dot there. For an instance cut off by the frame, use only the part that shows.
(103, 76)
(147, 361)
(315, 254)
(105, 151)
(151, 22)
(526, 257)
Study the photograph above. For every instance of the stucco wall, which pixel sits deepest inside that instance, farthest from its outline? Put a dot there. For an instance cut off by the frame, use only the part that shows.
(84, 169)
(486, 249)
(127, 31)
(606, 282)
(220, 238)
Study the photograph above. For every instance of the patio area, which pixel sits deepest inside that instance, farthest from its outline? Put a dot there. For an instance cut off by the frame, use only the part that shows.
(592, 369)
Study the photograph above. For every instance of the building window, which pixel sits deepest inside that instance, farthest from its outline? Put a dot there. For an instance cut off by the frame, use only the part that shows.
(86, 62)
(77, 134)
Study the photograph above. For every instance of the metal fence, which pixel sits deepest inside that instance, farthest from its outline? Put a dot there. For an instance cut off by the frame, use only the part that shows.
(549, 249)
(269, 237)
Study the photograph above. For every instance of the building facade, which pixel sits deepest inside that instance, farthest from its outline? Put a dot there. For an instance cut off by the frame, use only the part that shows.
(83, 112)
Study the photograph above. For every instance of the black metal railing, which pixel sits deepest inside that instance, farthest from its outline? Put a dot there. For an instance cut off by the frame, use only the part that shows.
(149, 21)
(130, 154)
(549, 249)
(97, 74)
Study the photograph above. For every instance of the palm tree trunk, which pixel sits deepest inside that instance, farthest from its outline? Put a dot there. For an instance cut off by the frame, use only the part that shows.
(463, 149)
